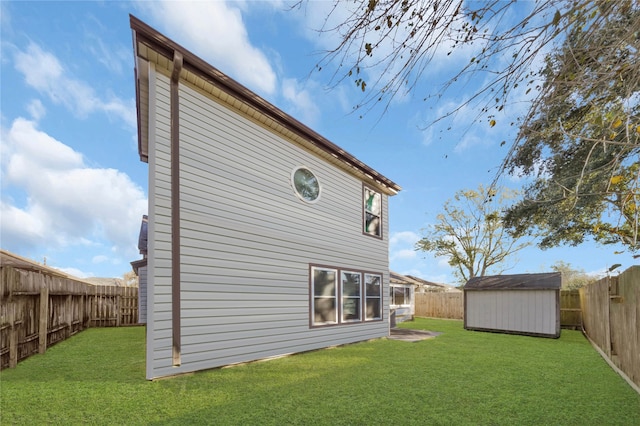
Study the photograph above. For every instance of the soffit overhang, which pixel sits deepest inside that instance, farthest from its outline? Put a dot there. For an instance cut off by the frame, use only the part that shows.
(152, 47)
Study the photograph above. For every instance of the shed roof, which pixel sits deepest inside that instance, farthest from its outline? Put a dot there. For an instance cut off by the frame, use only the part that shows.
(150, 45)
(542, 281)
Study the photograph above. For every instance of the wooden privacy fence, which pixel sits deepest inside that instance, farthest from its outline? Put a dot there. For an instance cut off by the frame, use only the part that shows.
(40, 307)
(451, 305)
(611, 312)
(570, 310)
(440, 305)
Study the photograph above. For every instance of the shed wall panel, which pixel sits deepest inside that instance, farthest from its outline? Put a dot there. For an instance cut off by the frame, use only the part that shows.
(518, 311)
(247, 240)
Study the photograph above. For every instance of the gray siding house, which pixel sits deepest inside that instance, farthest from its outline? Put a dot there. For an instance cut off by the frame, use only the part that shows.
(264, 238)
(140, 269)
(526, 304)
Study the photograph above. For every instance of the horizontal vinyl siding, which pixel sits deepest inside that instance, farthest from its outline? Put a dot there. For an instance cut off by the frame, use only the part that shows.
(520, 311)
(159, 353)
(142, 295)
(247, 241)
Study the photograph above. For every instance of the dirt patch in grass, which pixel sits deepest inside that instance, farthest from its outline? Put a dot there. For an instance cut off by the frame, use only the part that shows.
(408, 335)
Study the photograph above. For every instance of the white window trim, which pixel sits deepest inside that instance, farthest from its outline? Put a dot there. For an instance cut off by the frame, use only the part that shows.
(343, 297)
(379, 297)
(314, 297)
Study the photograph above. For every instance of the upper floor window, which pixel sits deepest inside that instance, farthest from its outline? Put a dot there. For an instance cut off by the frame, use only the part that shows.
(372, 212)
(306, 184)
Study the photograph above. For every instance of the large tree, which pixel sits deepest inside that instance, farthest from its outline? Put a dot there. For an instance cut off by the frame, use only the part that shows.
(579, 137)
(470, 234)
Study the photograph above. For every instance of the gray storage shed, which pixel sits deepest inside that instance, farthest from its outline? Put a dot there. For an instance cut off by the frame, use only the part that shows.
(526, 304)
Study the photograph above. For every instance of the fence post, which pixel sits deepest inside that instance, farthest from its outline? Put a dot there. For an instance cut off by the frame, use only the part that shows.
(43, 324)
(13, 336)
(68, 316)
(118, 303)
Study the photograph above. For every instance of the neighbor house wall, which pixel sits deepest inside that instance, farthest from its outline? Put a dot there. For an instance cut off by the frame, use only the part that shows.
(246, 239)
(142, 295)
(406, 311)
(534, 312)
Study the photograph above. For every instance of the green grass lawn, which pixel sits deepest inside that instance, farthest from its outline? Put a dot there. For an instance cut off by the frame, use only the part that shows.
(460, 377)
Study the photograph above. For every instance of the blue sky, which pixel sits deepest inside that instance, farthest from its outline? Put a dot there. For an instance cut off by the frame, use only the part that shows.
(74, 190)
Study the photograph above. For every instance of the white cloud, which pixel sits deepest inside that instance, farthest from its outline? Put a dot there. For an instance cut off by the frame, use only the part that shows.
(404, 237)
(36, 109)
(44, 72)
(404, 254)
(112, 57)
(76, 272)
(66, 201)
(99, 259)
(216, 32)
(304, 108)
(468, 141)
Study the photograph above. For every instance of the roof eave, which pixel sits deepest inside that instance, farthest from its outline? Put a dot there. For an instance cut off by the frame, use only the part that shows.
(145, 34)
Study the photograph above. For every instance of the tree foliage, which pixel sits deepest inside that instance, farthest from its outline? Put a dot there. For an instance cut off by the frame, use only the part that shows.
(572, 278)
(575, 62)
(386, 46)
(469, 232)
(130, 279)
(581, 137)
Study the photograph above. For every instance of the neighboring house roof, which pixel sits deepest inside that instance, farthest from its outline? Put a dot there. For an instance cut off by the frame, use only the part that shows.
(156, 48)
(396, 278)
(137, 264)
(542, 281)
(420, 281)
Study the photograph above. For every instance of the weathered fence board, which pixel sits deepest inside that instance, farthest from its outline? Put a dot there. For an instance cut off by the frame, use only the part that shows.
(612, 319)
(570, 310)
(40, 307)
(594, 299)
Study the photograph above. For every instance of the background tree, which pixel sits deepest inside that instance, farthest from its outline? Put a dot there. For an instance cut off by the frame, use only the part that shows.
(572, 278)
(130, 279)
(469, 232)
(581, 139)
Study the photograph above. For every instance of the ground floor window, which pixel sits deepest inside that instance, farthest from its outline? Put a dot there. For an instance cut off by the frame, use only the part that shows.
(373, 295)
(400, 295)
(341, 296)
